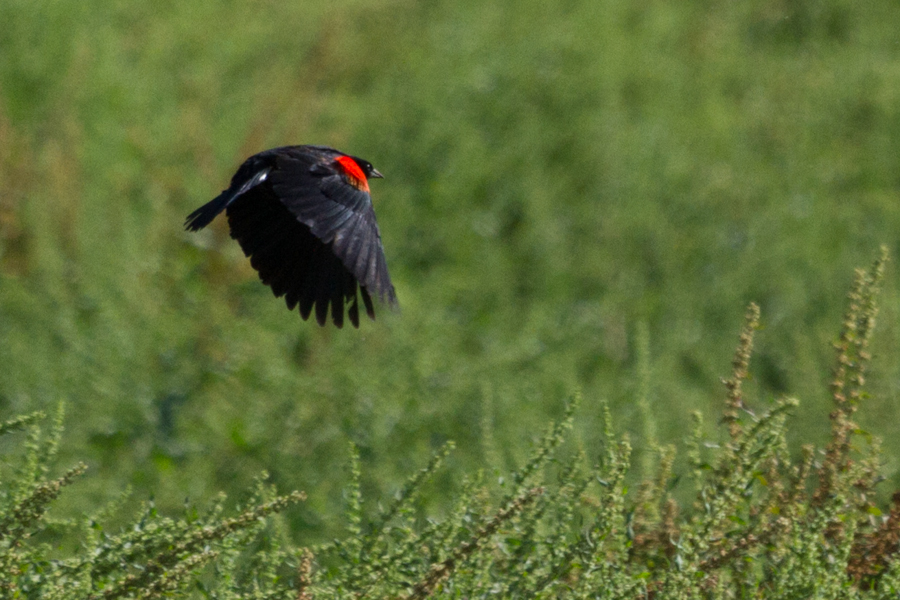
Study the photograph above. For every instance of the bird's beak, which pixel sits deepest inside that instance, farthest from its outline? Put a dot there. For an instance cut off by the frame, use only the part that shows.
(376, 175)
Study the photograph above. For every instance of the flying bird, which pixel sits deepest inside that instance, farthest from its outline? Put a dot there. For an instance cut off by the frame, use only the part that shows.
(304, 217)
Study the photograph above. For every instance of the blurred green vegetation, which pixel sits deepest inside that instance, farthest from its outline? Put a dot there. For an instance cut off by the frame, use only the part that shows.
(559, 178)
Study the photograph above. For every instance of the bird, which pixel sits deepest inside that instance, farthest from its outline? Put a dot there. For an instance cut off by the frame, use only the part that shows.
(303, 215)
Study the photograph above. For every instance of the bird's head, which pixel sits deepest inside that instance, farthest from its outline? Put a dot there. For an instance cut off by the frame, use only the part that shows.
(370, 171)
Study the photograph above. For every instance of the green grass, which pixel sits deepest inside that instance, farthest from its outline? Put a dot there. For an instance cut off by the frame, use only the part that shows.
(558, 180)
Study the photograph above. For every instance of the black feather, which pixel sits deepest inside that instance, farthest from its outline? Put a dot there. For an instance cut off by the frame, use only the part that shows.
(367, 300)
(204, 215)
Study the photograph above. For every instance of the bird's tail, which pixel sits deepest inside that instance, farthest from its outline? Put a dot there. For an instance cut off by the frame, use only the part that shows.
(204, 215)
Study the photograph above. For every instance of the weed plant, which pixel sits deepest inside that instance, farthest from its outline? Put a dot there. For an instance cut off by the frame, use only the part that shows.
(763, 523)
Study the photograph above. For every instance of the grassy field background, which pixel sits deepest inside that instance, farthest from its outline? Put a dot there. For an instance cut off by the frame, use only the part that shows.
(559, 179)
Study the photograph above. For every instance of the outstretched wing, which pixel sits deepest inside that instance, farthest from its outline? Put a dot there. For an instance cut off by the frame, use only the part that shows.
(314, 188)
(292, 261)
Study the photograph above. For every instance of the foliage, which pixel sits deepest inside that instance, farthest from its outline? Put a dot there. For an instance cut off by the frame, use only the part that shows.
(763, 523)
(578, 196)
(150, 558)
(558, 180)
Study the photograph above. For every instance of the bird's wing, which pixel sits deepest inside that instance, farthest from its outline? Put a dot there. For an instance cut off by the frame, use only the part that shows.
(312, 186)
(292, 261)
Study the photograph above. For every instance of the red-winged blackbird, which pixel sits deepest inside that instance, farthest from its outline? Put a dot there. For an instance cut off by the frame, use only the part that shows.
(304, 216)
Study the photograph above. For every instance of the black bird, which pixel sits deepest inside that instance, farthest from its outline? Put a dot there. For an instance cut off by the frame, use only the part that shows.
(304, 217)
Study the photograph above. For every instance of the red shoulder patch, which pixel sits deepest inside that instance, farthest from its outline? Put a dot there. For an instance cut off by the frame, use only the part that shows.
(354, 174)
